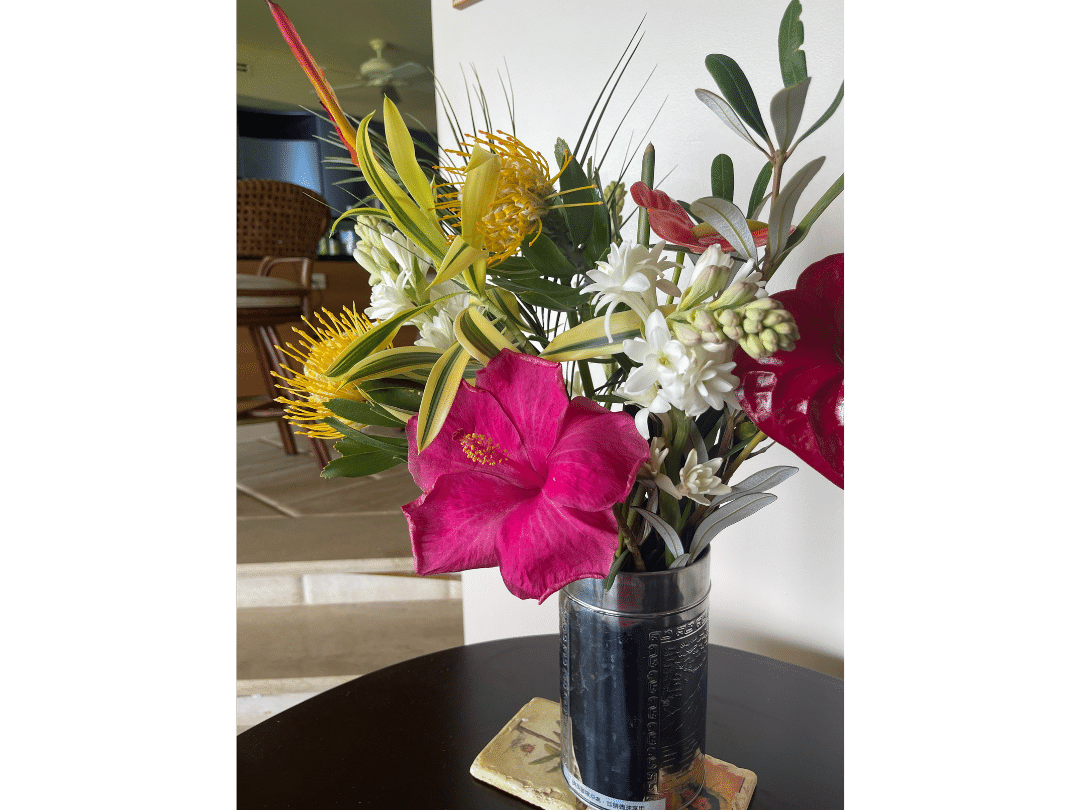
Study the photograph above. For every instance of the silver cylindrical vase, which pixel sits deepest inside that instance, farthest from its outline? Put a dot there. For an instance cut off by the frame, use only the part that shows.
(634, 670)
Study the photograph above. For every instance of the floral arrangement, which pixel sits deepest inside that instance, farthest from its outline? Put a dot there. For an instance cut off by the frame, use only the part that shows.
(578, 403)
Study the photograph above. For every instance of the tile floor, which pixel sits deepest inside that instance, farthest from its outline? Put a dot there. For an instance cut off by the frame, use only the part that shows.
(325, 590)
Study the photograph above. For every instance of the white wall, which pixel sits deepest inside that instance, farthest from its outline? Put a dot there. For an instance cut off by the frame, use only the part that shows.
(777, 577)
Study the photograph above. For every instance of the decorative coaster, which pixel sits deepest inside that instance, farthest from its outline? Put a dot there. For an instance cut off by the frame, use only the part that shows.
(523, 760)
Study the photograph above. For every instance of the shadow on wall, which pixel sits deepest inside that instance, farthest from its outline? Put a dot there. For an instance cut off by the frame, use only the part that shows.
(781, 649)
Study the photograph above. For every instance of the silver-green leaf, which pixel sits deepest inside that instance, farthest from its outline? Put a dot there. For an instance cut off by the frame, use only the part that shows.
(726, 114)
(786, 109)
(667, 534)
(729, 223)
(732, 512)
(782, 210)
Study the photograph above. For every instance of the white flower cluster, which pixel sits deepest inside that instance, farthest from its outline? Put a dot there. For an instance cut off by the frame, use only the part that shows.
(681, 370)
(398, 270)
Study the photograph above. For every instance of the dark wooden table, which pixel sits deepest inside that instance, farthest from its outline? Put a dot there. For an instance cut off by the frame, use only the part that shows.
(404, 736)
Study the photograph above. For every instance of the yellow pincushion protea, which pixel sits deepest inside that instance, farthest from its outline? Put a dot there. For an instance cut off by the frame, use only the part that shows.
(311, 389)
(523, 190)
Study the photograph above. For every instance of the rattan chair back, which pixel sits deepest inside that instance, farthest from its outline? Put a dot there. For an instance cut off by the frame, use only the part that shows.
(274, 218)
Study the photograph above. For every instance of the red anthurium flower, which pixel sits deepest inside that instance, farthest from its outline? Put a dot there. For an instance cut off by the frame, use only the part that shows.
(524, 478)
(672, 224)
(797, 397)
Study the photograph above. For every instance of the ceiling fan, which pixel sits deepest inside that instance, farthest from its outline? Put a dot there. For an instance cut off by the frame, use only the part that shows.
(378, 72)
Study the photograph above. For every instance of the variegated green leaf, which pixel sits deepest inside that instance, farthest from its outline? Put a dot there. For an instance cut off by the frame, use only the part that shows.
(403, 153)
(393, 361)
(589, 339)
(792, 57)
(476, 275)
(726, 114)
(442, 388)
(458, 256)
(729, 223)
(478, 191)
(786, 110)
(356, 212)
(406, 214)
(481, 339)
(734, 86)
(825, 116)
(782, 210)
(376, 337)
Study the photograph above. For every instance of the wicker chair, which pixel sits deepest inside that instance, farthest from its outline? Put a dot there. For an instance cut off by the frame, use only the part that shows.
(282, 223)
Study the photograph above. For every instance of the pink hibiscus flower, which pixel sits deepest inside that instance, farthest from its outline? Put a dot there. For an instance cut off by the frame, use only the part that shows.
(671, 223)
(797, 397)
(523, 478)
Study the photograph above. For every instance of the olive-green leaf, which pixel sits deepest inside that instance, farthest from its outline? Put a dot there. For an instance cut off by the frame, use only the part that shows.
(729, 223)
(383, 444)
(786, 110)
(363, 413)
(792, 58)
(546, 258)
(723, 178)
(405, 400)
(572, 185)
(736, 89)
(803, 228)
(543, 292)
(826, 115)
(357, 466)
(782, 210)
(442, 388)
(761, 186)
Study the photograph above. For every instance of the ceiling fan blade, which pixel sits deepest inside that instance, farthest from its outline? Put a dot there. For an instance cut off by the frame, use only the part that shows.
(405, 72)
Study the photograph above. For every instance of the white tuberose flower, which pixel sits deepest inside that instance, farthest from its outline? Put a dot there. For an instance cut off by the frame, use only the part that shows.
(631, 275)
(695, 480)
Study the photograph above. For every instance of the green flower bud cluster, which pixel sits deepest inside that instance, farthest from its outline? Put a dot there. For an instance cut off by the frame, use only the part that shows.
(709, 280)
(762, 327)
(370, 251)
(617, 192)
(696, 327)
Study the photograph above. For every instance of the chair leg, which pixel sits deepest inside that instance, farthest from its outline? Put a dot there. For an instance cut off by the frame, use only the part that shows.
(322, 455)
(265, 338)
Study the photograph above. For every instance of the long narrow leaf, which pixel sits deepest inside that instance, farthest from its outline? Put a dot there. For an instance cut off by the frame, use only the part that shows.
(726, 515)
(393, 361)
(826, 115)
(729, 222)
(786, 110)
(357, 466)
(367, 343)
(589, 340)
(403, 153)
(363, 413)
(726, 114)
(381, 444)
(442, 388)
(479, 336)
(458, 257)
(734, 86)
(761, 186)
(667, 534)
(782, 210)
(758, 482)
(807, 222)
(792, 58)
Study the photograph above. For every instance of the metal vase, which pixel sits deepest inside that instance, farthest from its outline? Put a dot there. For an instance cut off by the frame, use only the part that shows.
(634, 666)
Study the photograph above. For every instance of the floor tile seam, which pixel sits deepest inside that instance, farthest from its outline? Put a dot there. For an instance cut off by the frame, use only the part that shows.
(370, 513)
(369, 565)
(263, 499)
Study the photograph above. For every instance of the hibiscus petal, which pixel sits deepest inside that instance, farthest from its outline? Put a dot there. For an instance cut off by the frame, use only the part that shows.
(596, 457)
(544, 546)
(532, 393)
(474, 411)
(456, 525)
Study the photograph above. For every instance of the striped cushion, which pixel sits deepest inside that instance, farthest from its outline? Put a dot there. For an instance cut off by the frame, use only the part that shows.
(248, 287)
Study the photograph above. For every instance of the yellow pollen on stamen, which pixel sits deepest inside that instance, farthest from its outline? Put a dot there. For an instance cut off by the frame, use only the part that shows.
(482, 449)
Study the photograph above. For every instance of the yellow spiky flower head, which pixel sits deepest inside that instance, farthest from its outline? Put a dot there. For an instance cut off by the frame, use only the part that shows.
(523, 191)
(310, 390)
